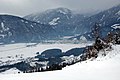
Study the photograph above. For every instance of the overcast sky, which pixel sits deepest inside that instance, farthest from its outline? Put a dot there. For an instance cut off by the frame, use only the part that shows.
(24, 7)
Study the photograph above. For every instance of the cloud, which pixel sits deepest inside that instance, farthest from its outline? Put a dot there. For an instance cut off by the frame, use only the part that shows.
(88, 4)
(24, 7)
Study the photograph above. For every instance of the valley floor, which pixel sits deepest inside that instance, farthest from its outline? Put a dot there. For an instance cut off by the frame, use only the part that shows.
(102, 68)
(24, 50)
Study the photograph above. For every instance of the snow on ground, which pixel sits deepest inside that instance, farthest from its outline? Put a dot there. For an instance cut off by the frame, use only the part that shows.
(11, 71)
(102, 68)
(54, 21)
(21, 48)
(116, 26)
(19, 51)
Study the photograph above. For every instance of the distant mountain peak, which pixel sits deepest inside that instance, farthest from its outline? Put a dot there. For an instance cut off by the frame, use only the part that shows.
(60, 9)
(63, 10)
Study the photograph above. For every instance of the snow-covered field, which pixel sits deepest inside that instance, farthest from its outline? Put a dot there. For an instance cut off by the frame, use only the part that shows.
(102, 68)
(18, 51)
(14, 53)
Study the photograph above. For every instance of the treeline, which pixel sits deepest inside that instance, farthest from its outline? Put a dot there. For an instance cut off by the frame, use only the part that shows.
(112, 37)
(45, 68)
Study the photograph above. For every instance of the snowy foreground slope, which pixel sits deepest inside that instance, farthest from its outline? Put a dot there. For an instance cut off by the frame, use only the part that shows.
(102, 68)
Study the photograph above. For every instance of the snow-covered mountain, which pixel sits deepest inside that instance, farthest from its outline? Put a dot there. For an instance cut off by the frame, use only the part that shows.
(62, 19)
(106, 19)
(16, 29)
(48, 16)
(67, 23)
(55, 23)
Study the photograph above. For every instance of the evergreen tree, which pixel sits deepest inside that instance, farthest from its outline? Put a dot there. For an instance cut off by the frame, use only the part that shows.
(96, 30)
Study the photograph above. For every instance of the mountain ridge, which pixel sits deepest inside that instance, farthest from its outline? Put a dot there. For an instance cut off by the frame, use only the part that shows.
(17, 29)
